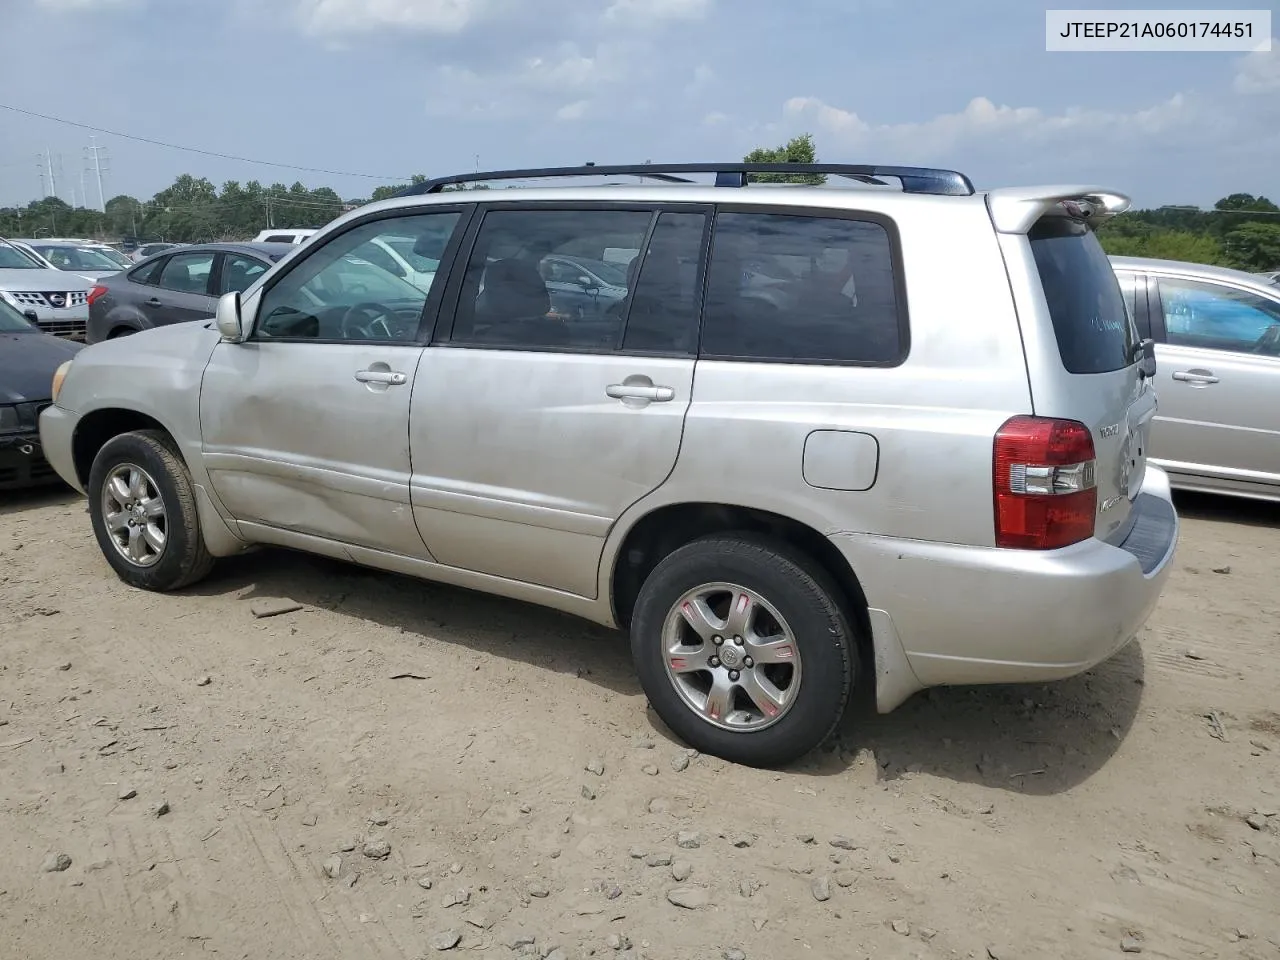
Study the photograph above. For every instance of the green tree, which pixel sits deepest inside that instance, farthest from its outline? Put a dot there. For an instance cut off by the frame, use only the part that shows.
(799, 149)
(1254, 246)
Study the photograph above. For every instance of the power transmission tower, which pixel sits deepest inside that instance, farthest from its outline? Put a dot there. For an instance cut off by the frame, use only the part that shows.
(97, 166)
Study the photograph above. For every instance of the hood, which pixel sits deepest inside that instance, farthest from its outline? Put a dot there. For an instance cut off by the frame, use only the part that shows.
(42, 280)
(93, 276)
(27, 363)
(190, 337)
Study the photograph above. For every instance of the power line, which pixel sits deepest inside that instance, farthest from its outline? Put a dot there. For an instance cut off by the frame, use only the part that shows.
(207, 153)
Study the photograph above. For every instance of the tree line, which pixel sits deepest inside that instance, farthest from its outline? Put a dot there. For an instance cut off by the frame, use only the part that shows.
(1242, 230)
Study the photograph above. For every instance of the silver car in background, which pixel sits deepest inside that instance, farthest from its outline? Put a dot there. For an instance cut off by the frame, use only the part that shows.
(1217, 348)
(55, 301)
(93, 261)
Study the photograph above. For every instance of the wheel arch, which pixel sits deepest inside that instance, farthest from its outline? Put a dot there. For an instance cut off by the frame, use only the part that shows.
(655, 534)
(97, 427)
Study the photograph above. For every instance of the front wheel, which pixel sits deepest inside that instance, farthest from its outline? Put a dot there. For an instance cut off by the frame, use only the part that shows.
(743, 650)
(143, 509)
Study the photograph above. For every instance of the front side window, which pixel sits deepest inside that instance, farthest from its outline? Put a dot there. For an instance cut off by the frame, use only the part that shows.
(802, 289)
(546, 279)
(336, 293)
(1218, 317)
(238, 272)
(187, 273)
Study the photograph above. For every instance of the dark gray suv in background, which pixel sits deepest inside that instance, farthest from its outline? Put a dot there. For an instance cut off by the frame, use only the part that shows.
(177, 285)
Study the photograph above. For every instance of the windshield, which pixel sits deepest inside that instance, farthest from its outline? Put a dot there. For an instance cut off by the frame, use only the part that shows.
(610, 273)
(1094, 330)
(77, 258)
(352, 280)
(404, 247)
(12, 258)
(11, 321)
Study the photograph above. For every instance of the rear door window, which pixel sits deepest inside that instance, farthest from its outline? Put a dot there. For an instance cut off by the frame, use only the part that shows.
(1093, 327)
(803, 289)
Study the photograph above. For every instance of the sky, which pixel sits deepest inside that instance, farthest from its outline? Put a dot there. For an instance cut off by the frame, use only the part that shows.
(376, 90)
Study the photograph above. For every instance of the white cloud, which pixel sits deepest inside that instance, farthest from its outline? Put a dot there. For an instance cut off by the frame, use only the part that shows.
(1259, 71)
(82, 5)
(656, 11)
(573, 111)
(367, 16)
(984, 122)
(715, 118)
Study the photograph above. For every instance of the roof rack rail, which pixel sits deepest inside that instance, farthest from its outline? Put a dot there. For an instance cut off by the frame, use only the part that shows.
(914, 179)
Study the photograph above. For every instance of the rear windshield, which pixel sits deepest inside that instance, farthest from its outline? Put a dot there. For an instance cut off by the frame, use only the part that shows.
(1094, 330)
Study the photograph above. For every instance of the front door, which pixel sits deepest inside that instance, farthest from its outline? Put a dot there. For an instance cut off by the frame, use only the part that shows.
(305, 425)
(533, 431)
(1218, 380)
(182, 290)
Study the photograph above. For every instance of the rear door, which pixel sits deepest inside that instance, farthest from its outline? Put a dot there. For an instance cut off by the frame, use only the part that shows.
(1087, 366)
(532, 431)
(1218, 377)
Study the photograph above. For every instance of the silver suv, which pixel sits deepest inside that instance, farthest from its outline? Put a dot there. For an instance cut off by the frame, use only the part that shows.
(888, 435)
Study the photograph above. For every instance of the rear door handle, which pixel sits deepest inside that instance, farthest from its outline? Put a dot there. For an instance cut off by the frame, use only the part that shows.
(392, 378)
(154, 302)
(1195, 376)
(635, 391)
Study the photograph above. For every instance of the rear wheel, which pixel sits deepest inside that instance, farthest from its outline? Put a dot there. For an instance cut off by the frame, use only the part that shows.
(743, 650)
(143, 509)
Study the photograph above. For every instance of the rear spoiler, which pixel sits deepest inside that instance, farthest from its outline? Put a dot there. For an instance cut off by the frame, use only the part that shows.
(1016, 209)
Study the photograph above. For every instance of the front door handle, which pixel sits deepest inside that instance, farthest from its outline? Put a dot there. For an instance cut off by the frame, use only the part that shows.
(154, 302)
(635, 391)
(393, 378)
(1201, 377)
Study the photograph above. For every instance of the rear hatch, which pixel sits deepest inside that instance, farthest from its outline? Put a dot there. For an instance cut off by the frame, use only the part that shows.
(1088, 366)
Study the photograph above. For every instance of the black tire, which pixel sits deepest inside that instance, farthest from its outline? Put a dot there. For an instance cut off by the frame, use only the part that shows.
(805, 598)
(119, 332)
(184, 558)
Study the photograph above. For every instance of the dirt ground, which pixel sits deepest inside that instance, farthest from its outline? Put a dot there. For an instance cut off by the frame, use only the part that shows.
(1137, 807)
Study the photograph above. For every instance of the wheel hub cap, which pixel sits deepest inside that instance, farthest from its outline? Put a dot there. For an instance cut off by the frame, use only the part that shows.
(731, 657)
(134, 515)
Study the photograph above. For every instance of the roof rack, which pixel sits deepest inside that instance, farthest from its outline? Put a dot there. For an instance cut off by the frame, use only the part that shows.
(914, 179)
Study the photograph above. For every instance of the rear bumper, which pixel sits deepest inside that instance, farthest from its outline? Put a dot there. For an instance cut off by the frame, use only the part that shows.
(57, 427)
(964, 614)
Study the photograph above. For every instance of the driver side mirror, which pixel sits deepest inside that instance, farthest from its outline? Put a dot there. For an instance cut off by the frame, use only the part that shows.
(229, 318)
(1147, 363)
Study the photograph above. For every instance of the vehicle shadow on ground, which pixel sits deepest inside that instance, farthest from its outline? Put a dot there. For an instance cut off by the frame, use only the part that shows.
(1204, 506)
(485, 624)
(19, 501)
(1037, 739)
(1034, 739)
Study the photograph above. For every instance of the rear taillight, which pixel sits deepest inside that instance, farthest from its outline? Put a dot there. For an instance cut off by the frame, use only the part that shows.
(1045, 493)
(95, 293)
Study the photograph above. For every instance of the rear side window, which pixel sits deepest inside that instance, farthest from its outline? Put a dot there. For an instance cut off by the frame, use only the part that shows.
(803, 289)
(1094, 329)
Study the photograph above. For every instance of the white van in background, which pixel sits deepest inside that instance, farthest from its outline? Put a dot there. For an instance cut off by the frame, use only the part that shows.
(284, 236)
